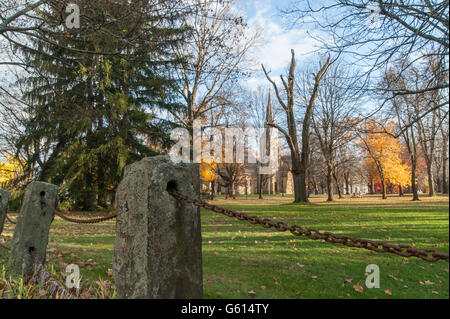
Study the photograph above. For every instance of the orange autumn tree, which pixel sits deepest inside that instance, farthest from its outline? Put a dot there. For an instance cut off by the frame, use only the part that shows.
(209, 174)
(383, 156)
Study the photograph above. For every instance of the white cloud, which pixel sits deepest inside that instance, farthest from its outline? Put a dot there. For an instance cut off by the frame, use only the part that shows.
(274, 50)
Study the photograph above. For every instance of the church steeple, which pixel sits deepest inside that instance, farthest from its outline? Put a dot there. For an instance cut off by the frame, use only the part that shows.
(269, 112)
(269, 119)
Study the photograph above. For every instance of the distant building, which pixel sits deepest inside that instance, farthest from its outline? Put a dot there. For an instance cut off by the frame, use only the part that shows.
(279, 183)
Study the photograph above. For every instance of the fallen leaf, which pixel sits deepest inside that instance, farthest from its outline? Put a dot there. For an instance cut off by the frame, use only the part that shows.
(393, 277)
(388, 292)
(358, 287)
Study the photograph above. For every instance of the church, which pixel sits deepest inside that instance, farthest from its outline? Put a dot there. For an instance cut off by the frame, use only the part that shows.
(281, 182)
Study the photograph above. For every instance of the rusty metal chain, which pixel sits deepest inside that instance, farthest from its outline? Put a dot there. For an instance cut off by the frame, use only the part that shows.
(10, 220)
(73, 220)
(3, 246)
(428, 254)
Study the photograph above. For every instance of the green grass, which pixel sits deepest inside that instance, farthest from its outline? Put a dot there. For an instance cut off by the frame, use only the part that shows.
(239, 257)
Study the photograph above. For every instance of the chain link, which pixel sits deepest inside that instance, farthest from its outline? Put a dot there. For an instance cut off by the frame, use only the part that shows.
(428, 254)
(10, 220)
(73, 220)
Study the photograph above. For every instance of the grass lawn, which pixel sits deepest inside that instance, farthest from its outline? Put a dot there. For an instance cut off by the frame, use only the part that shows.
(239, 257)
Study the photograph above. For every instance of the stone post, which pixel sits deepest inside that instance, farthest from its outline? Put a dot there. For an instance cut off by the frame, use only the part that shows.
(157, 249)
(32, 227)
(4, 199)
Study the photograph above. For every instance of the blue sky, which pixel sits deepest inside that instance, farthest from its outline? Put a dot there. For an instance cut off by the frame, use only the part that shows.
(277, 39)
(252, 6)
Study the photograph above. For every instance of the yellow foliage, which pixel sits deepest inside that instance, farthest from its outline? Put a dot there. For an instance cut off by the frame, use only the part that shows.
(208, 171)
(384, 152)
(9, 170)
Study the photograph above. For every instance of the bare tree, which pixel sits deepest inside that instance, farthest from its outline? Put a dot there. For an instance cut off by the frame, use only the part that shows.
(444, 135)
(300, 158)
(390, 28)
(377, 33)
(212, 57)
(403, 110)
(333, 119)
(428, 126)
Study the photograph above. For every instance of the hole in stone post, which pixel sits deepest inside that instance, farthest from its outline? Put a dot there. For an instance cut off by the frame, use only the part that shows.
(32, 252)
(42, 194)
(172, 186)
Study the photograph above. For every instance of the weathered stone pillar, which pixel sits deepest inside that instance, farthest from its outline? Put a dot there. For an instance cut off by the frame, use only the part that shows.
(157, 250)
(4, 199)
(32, 227)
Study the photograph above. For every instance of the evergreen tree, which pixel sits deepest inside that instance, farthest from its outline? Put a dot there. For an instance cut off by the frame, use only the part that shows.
(91, 114)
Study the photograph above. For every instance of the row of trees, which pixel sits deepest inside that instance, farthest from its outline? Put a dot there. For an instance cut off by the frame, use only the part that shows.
(348, 148)
(84, 102)
(87, 101)
(412, 36)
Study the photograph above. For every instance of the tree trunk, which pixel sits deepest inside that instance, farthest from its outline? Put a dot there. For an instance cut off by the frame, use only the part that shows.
(299, 188)
(329, 184)
(431, 192)
(413, 181)
(444, 169)
(213, 190)
(400, 190)
(303, 187)
(339, 190)
(259, 180)
(338, 186)
(347, 185)
(383, 183)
